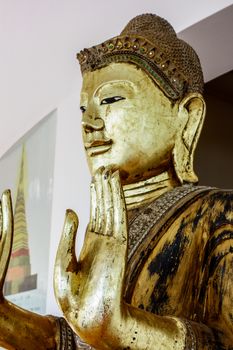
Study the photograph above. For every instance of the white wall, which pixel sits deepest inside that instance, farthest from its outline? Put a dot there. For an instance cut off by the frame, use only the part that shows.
(39, 40)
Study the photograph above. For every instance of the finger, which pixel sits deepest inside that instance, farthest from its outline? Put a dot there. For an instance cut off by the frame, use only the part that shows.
(99, 201)
(7, 235)
(66, 262)
(119, 208)
(93, 211)
(108, 203)
(0, 223)
(6, 219)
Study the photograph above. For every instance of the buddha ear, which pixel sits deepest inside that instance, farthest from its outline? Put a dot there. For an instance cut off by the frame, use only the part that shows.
(192, 112)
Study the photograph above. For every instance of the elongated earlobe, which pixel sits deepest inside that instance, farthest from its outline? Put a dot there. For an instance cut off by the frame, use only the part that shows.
(192, 107)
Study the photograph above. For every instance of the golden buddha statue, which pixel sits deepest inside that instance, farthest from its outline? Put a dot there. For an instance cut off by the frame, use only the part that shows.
(156, 267)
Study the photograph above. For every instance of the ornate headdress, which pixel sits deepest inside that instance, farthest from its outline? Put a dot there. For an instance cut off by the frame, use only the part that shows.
(151, 43)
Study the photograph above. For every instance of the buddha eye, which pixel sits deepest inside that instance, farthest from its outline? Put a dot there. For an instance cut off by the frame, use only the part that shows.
(83, 109)
(109, 100)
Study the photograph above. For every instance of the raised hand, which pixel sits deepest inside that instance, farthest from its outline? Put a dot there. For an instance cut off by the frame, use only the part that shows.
(6, 236)
(93, 286)
(91, 290)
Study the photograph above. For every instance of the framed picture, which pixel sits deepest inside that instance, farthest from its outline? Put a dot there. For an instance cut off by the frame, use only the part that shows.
(27, 170)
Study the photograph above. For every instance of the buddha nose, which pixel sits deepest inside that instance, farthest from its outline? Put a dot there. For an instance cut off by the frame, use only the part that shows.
(90, 123)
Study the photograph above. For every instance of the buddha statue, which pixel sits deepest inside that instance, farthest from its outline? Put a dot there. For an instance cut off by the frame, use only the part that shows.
(156, 266)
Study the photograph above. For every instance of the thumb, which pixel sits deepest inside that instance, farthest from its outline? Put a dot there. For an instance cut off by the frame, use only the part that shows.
(66, 262)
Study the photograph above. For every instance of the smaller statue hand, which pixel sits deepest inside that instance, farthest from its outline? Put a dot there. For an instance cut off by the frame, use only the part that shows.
(19, 328)
(6, 236)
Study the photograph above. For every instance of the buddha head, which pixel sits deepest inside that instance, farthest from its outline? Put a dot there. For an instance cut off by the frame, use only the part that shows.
(142, 102)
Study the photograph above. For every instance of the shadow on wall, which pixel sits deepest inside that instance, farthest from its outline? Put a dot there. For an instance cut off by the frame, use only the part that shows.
(214, 155)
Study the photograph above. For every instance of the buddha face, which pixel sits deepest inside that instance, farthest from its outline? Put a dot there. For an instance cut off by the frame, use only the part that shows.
(127, 122)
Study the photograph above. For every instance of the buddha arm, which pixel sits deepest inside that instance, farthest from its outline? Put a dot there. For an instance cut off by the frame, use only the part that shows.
(90, 291)
(97, 313)
(19, 329)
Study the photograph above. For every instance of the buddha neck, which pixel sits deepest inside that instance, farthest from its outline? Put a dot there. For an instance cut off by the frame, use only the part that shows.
(140, 193)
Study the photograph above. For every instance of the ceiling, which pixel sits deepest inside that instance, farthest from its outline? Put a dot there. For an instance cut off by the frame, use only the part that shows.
(212, 39)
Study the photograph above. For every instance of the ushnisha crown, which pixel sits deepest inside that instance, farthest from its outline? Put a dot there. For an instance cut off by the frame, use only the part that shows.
(151, 43)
